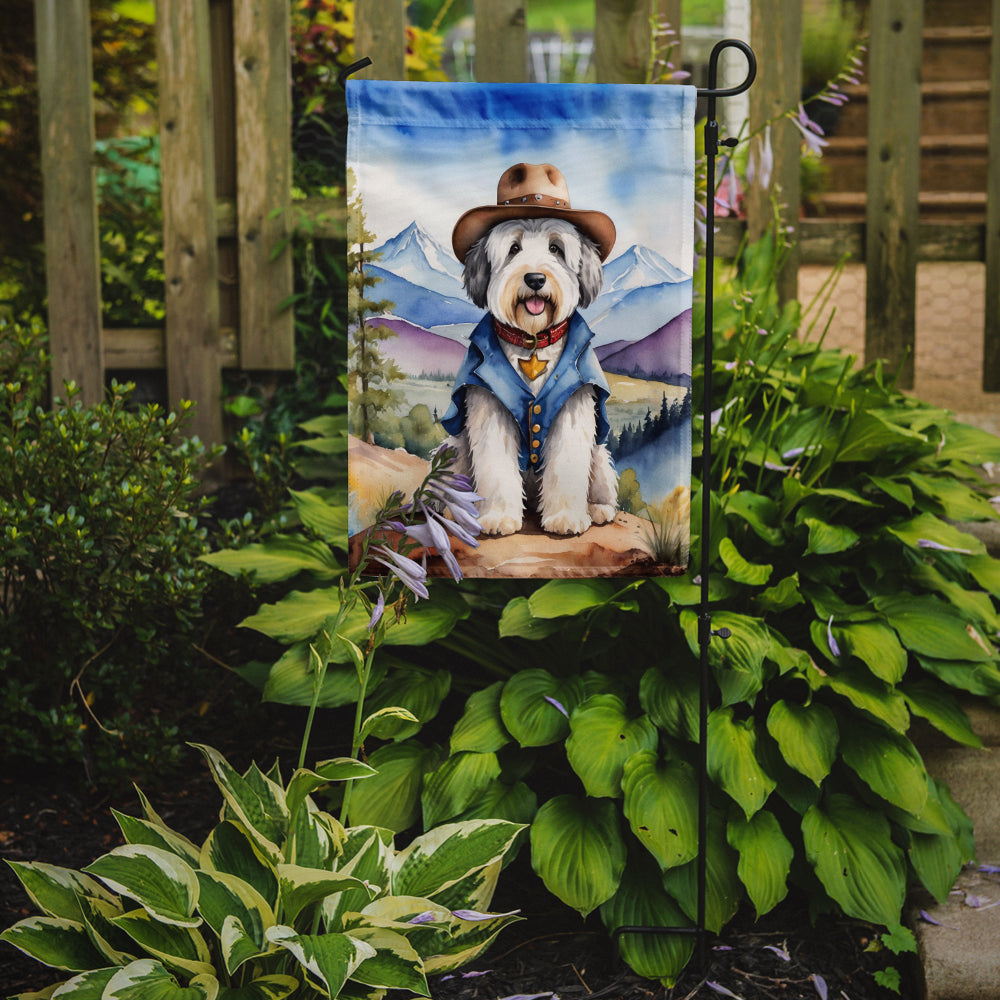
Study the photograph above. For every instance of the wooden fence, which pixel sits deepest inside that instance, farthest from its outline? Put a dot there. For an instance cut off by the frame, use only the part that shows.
(226, 161)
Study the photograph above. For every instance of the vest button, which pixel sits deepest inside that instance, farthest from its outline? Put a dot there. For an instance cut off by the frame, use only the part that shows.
(535, 428)
(536, 443)
(536, 409)
(534, 459)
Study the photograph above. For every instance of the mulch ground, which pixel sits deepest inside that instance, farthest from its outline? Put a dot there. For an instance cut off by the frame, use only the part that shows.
(550, 953)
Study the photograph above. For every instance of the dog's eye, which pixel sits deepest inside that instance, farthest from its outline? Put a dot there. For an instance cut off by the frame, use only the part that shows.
(555, 248)
(515, 248)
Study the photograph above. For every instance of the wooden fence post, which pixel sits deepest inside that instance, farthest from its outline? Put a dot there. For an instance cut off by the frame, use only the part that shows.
(262, 61)
(190, 251)
(380, 34)
(991, 332)
(622, 40)
(893, 183)
(72, 255)
(776, 35)
(501, 41)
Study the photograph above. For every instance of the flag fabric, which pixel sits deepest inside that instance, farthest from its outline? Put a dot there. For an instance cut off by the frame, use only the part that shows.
(520, 283)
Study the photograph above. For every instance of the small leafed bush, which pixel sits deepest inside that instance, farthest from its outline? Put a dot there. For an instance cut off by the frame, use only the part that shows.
(280, 899)
(99, 575)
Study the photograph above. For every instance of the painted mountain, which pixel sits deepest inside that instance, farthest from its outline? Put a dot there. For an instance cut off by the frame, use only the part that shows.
(639, 321)
(419, 351)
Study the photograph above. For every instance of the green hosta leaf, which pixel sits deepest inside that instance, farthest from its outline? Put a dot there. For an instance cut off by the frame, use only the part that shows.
(481, 728)
(828, 539)
(641, 901)
(850, 848)
(928, 528)
(230, 849)
(578, 851)
(965, 443)
(159, 881)
(395, 964)
(330, 959)
(976, 678)
(301, 887)
(602, 738)
(888, 763)
(291, 680)
(147, 979)
(732, 760)
(56, 891)
(327, 520)
(535, 706)
(738, 661)
(937, 858)
(894, 489)
(180, 948)
(516, 803)
(275, 987)
(418, 691)
(661, 799)
(807, 736)
(941, 709)
(226, 898)
(783, 595)
(975, 605)
(876, 646)
(931, 628)
(559, 598)
(864, 691)
(456, 784)
(671, 700)
(443, 856)
(986, 572)
(765, 858)
(304, 782)
(738, 569)
(386, 723)
(54, 941)
(870, 436)
(279, 558)
(758, 511)
(391, 798)
(517, 620)
(723, 889)
(141, 831)
(260, 809)
(957, 501)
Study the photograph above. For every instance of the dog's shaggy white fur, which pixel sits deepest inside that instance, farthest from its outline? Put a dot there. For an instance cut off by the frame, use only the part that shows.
(532, 274)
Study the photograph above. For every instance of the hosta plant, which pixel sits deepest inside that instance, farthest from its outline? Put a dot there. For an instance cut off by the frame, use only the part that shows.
(279, 900)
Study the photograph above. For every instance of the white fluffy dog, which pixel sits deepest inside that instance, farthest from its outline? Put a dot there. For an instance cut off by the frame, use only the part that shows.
(527, 418)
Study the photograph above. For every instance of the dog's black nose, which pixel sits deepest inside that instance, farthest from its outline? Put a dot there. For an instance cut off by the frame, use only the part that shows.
(534, 280)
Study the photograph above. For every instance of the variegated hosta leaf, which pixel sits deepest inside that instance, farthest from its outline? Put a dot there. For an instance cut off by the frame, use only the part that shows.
(116, 947)
(395, 964)
(481, 727)
(256, 801)
(301, 887)
(602, 737)
(807, 736)
(328, 959)
(275, 987)
(315, 838)
(441, 857)
(304, 782)
(54, 941)
(723, 889)
(535, 706)
(225, 897)
(158, 880)
(765, 858)
(147, 979)
(850, 847)
(732, 760)
(86, 986)
(475, 891)
(661, 805)
(56, 891)
(177, 947)
(367, 853)
(468, 939)
(642, 902)
(578, 851)
(141, 831)
(456, 784)
(230, 849)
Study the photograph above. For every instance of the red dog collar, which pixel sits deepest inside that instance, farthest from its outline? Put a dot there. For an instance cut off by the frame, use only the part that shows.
(532, 341)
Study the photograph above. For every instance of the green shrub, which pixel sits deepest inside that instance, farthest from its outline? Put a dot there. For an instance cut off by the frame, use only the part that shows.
(101, 584)
(279, 900)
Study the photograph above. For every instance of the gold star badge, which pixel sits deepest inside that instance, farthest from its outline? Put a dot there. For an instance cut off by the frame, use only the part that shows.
(533, 366)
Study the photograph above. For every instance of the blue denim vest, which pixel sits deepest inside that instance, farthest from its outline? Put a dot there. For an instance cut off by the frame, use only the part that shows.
(487, 366)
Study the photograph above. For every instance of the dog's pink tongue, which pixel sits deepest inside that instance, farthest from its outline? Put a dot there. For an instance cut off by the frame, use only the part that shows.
(535, 305)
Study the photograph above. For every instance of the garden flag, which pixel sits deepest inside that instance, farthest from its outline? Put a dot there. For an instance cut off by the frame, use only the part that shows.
(521, 261)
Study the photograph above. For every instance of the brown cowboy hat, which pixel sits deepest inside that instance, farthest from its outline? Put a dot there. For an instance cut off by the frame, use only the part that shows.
(528, 189)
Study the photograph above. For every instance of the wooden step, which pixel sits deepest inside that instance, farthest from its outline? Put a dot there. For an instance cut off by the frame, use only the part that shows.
(956, 206)
(956, 53)
(947, 162)
(945, 12)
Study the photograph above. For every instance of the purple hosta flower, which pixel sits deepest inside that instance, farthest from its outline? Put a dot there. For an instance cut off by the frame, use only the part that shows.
(761, 163)
(927, 918)
(728, 194)
(475, 915)
(458, 530)
(411, 574)
(820, 984)
(377, 612)
(552, 701)
(990, 869)
(431, 535)
(427, 917)
(459, 499)
(780, 952)
(927, 543)
(811, 132)
(834, 648)
(719, 988)
(465, 975)
(531, 996)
